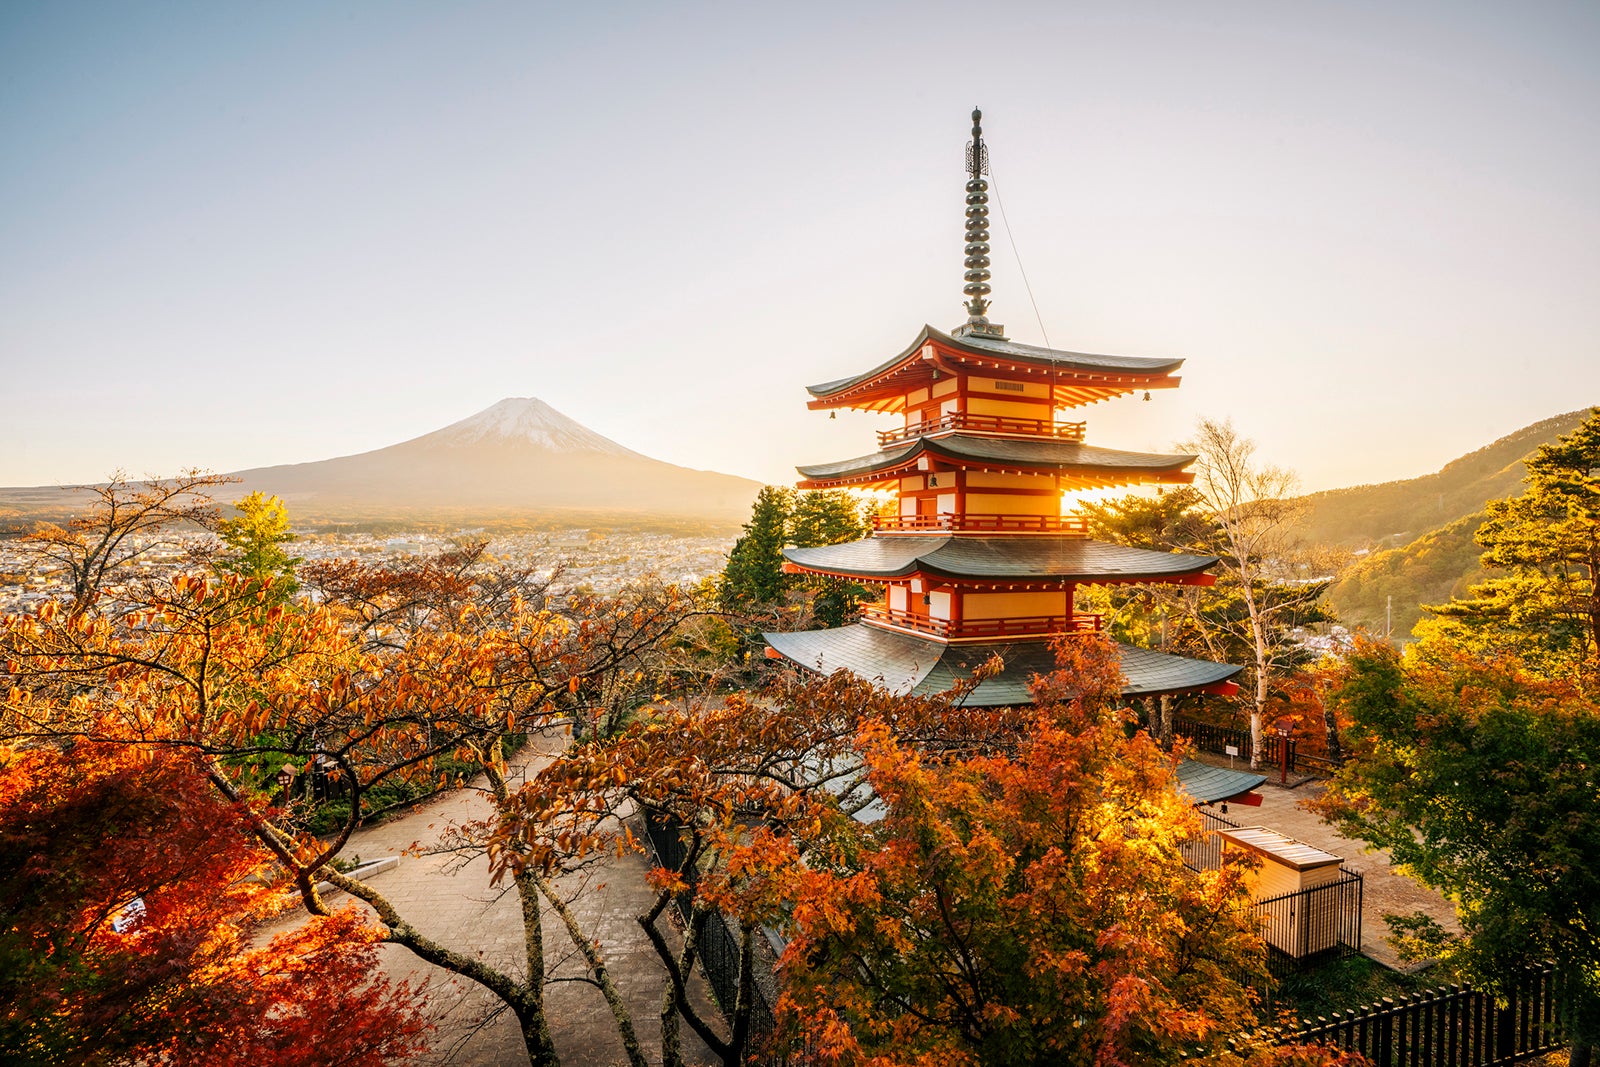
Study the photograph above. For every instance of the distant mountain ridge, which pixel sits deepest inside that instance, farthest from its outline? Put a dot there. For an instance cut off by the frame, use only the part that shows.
(1393, 513)
(1420, 532)
(1388, 588)
(517, 457)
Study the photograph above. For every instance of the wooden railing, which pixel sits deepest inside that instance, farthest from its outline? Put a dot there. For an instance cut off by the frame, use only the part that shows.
(1069, 526)
(1018, 626)
(961, 420)
(1218, 739)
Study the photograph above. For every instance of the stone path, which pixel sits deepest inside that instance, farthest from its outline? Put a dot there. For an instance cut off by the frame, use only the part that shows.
(453, 903)
(1384, 890)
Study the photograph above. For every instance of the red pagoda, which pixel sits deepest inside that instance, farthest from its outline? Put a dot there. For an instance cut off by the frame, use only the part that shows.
(977, 558)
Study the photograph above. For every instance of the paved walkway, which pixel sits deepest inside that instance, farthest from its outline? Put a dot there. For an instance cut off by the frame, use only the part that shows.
(1384, 890)
(453, 903)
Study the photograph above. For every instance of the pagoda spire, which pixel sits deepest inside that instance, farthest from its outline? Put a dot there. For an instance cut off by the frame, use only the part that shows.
(977, 261)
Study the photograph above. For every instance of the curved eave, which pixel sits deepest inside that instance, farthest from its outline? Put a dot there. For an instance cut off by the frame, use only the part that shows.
(1205, 784)
(1080, 466)
(1001, 560)
(904, 663)
(1078, 377)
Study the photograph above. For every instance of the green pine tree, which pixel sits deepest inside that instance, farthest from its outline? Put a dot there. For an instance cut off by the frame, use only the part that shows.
(753, 578)
(830, 517)
(1542, 549)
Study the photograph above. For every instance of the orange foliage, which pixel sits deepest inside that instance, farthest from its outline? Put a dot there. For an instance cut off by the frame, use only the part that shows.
(87, 831)
(1023, 908)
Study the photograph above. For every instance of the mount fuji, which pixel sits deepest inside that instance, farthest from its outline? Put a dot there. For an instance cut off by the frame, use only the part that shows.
(518, 455)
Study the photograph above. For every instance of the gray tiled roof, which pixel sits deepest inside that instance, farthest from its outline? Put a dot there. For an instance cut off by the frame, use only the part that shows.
(1206, 784)
(1043, 453)
(988, 346)
(904, 663)
(1022, 558)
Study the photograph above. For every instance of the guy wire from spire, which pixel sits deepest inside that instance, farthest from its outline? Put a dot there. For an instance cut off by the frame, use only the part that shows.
(1012, 238)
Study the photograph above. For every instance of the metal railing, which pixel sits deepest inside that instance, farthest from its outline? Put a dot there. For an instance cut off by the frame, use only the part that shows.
(718, 945)
(1298, 926)
(1308, 923)
(961, 420)
(1069, 525)
(1018, 626)
(1451, 1026)
(1203, 852)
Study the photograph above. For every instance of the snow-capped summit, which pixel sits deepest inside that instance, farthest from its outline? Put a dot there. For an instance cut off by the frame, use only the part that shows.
(527, 419)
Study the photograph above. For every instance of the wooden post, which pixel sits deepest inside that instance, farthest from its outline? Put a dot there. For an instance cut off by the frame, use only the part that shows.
(1385, 1049)
(1505, 1038)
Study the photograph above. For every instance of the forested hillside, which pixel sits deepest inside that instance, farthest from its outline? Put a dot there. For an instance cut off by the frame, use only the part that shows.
(1394, 513)
(1428, 570)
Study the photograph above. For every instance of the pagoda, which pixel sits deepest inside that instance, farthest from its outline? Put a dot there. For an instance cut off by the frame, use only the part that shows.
(977, 558)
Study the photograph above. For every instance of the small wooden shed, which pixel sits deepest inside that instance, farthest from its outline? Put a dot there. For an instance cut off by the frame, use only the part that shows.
(1295, 920)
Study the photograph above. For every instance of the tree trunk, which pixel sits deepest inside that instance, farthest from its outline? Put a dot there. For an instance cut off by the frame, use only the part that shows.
(536, 1036)
(671, 1042)
(527, 1005)
(535, 1024)
(679, 977)
(1259, 712)
(1583, 1023)
(1166, 721)
(671, 1038)
(743, 1002)
(597, 967)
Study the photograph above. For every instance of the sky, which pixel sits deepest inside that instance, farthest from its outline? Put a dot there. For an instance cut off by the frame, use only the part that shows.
(235, 235)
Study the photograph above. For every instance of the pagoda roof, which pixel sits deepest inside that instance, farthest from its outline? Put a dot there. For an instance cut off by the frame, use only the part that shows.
(1206, 784)
(906, 663)
(1090, 464)
(1078, 377)
(1018, 559)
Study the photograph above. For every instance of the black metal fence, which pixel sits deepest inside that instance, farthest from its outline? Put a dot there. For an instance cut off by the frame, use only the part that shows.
(718, 945)
(1304, 925)
(1203, 852)
(1448, 1027)
(1312, 924)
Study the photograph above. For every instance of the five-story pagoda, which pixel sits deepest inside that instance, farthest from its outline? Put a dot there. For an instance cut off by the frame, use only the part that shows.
(977, 558)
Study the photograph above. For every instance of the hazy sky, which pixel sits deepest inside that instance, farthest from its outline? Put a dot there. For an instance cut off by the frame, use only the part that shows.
(234, 235)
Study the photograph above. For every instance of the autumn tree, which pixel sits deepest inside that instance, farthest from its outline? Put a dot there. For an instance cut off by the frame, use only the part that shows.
(125, 520)
(1480, 778)
(1218, 622)
(254, 540)
(1542, 548)
(127, 891)
(1254, 513)
(1021, 909)
(378, 695)
(740, 786)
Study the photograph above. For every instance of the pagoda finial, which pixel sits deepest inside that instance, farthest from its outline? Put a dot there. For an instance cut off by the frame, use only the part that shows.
(977, 261)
